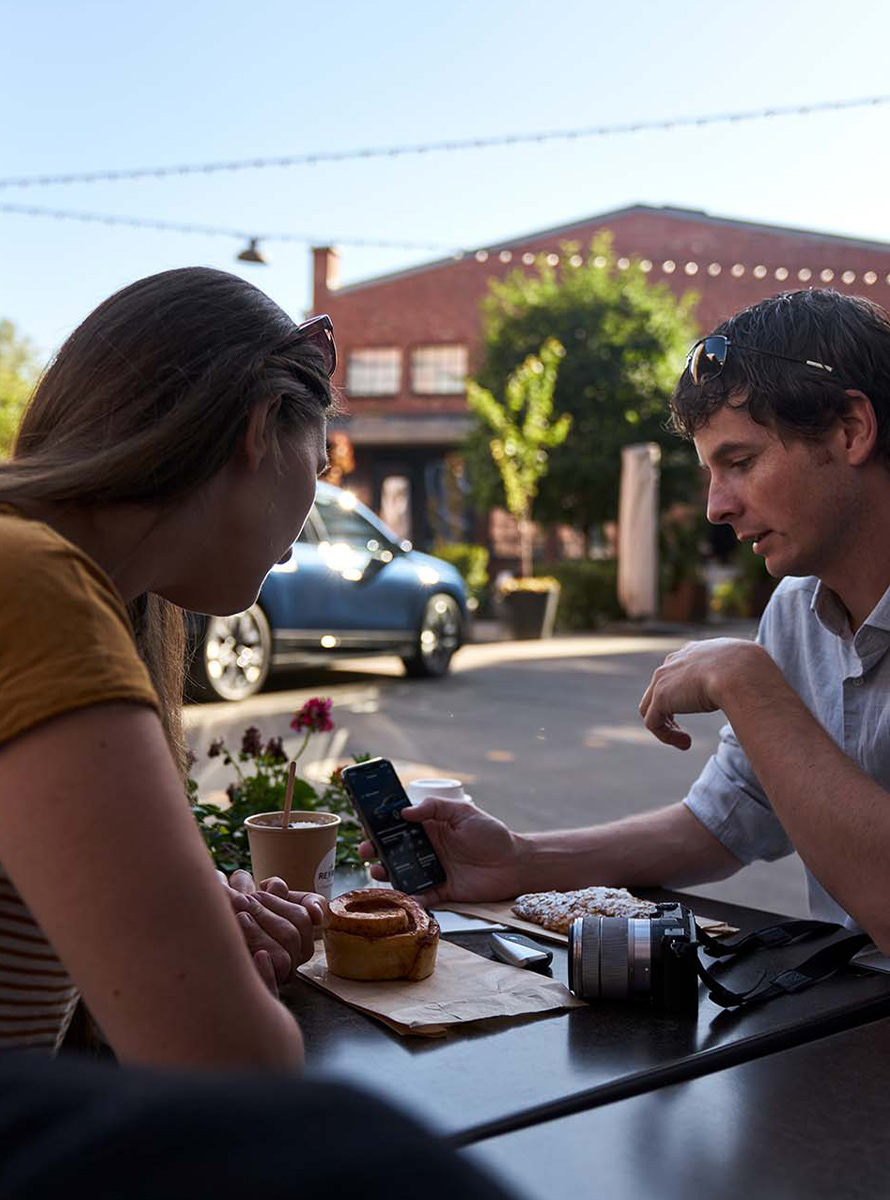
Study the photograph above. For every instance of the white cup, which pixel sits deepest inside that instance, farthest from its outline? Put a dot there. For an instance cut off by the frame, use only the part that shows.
(442, 789)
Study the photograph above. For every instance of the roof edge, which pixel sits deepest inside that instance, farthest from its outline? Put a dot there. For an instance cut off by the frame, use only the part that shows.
(666, 210)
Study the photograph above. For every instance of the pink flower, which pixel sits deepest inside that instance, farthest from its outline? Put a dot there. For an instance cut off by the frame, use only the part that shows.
(251, 742)
(314, 716)
(275, 750)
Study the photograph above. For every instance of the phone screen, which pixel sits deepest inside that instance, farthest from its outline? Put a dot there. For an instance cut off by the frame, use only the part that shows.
(404, 849)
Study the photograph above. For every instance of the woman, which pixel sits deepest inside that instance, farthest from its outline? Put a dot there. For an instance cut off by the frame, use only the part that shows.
(166, 461)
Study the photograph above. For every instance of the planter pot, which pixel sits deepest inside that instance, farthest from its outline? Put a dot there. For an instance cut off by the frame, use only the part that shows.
(530, 614)
(687, 602)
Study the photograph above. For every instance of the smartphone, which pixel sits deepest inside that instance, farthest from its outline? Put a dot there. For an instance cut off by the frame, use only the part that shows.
(404, 849)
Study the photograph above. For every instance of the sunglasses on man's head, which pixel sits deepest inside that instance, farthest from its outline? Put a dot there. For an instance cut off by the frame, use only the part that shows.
(707, 358)
(320, 332)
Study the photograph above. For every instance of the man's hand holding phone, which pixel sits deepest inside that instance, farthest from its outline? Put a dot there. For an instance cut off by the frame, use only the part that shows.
(481, 856)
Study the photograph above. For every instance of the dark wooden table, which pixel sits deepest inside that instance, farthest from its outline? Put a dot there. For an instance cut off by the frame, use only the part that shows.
(811, 1121)
(488, 1078)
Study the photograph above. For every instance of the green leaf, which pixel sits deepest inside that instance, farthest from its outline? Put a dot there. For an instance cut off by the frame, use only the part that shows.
(624, 340)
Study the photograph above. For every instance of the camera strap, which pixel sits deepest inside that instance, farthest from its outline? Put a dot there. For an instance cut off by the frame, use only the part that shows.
(816, 968)
(772, 936)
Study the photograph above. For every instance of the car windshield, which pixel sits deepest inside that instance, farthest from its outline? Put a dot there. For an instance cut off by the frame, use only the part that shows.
(344, 525)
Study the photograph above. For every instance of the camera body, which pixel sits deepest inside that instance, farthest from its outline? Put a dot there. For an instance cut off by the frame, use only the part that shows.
(622, 958)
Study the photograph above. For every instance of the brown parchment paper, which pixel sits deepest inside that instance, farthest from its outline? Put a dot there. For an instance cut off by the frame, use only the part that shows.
(501, 913)
(463, 987)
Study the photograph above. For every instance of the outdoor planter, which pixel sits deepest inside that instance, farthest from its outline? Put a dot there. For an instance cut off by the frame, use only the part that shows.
(687, 602)
(530, 611)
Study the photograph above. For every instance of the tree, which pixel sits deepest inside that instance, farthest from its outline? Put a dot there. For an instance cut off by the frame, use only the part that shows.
(524, 432)
(625, 340)
(18, 374)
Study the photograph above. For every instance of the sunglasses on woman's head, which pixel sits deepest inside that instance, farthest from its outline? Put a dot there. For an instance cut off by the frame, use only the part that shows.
(707, 358)
(320, 332)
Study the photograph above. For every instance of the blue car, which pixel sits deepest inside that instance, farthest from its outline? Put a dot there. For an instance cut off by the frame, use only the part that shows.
(350, 586)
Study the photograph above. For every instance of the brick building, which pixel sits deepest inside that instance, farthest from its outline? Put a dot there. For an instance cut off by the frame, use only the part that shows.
(407, 340)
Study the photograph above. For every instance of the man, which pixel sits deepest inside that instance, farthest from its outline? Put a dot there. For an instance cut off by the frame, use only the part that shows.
(788, 404)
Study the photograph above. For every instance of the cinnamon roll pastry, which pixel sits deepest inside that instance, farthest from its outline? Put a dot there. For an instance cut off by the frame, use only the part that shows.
(373, 933)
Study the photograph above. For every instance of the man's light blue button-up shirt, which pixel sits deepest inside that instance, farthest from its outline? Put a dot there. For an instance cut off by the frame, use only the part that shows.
(844, 679)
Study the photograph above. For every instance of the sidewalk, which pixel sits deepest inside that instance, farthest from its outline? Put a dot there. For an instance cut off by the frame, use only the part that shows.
(486, 630)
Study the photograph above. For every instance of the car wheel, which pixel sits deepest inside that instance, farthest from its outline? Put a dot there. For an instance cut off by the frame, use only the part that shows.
(439, 635)
(233, 656)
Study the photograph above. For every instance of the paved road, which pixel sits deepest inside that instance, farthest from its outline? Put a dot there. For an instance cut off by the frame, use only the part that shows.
(543, 734)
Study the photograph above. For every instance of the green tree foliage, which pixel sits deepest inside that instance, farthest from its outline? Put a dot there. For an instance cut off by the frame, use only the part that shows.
(625, 340)
(18, 374)
(472, 562)
(524, 432)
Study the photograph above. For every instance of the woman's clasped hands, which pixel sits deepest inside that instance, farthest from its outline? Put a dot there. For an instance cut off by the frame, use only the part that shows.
(278, 924)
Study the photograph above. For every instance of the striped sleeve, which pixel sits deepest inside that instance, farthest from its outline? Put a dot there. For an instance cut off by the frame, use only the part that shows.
(37, 995)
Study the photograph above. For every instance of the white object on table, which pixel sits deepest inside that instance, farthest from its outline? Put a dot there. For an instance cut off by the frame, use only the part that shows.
(441, 789)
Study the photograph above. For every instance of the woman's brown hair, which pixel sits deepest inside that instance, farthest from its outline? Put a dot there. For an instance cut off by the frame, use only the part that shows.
(145, 402)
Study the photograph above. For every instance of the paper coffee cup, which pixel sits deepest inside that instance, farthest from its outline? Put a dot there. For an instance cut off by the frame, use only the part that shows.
(442, 789)
(302, 855)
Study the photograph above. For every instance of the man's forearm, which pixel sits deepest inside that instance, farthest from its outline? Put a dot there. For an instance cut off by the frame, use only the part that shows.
(667, 848)
(837, 816)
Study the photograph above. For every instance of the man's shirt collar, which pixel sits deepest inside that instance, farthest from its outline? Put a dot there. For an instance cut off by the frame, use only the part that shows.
(872, 638)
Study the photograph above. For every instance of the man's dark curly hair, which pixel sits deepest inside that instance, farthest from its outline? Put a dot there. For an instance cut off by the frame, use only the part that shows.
(848, 333)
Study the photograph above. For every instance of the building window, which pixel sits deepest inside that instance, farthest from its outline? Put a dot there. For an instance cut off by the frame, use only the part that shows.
(375, 372)
(439, 370)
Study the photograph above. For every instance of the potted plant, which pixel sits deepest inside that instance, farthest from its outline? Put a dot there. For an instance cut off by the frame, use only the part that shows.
(684, 592)
(529, 605)
(524, 431)
(261, 770)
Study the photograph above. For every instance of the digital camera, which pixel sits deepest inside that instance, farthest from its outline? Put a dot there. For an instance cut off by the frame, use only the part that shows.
(626, 958)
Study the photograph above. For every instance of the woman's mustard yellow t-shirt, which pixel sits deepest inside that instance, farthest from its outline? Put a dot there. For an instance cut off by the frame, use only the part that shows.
(66, 642)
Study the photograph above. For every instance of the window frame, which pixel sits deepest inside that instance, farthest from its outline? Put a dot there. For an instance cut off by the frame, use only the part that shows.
(400, 371)
(421, 346)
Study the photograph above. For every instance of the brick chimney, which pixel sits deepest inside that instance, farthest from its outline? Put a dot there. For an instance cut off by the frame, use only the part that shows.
(325, 275)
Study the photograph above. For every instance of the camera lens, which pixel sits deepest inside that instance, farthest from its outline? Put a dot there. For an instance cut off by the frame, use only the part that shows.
(610, 958)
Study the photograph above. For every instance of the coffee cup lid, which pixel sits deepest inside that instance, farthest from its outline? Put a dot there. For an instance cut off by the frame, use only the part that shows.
(445, 789)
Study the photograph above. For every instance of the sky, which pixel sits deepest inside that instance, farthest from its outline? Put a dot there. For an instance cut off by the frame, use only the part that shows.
(97, 84)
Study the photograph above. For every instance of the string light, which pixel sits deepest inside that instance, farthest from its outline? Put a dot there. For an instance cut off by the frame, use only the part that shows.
(451, 146)
(714, 269)
(529, 258)
(63, 214)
